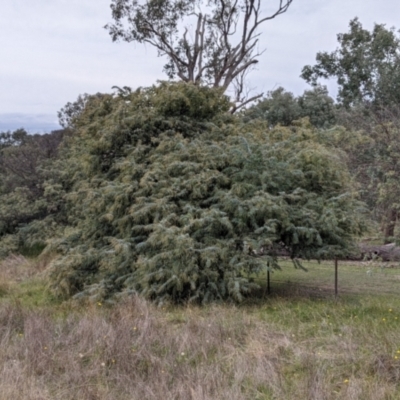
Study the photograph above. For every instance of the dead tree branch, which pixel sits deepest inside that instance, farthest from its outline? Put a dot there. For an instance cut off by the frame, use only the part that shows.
(224, 40)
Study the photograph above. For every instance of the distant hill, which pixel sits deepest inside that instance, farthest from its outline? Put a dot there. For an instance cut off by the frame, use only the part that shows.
(32, 123)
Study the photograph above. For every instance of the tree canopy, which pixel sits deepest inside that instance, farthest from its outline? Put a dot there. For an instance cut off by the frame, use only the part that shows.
(174, 198)
(366, 65)
(29, 205)
(282, 107)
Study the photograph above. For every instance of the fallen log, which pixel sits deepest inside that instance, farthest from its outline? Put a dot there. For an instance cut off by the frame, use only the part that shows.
(386, 252)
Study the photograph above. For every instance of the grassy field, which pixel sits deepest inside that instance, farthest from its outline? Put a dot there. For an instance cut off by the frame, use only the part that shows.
(297, 343)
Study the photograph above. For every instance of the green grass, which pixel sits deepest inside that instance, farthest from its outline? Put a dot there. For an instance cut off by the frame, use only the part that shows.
(32, 251)
(300, 342)
(22, 281)
(354, 278)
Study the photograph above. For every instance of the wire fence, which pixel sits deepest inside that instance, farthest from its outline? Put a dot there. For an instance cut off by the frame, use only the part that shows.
(358, 278)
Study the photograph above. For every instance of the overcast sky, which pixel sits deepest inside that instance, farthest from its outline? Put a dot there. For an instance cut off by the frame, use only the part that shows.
(54, 50)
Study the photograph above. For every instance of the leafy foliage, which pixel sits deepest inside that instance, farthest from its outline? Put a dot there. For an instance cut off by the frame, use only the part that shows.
(376, 162)
(71, 111)
(282, 107)
(15, 138)
(367, 69)
(30, 191)
(176, 199)
(278, 107)
(318, 106)
(366, 65)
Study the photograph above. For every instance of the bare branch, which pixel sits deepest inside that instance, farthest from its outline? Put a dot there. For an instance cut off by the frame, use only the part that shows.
(213, 57)
(237, 107)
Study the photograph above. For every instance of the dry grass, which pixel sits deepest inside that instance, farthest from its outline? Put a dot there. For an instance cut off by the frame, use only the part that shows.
(17, 268)
(13, 269)
(286, 347)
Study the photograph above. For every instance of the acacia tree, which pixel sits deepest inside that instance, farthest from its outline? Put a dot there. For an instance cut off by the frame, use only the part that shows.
(173, 198)
(218, 52)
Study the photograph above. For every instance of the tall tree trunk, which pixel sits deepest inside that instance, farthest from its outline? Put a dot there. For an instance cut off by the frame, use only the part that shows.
(390, 225)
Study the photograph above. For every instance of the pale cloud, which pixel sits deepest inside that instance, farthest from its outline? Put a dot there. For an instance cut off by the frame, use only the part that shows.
(52, 51)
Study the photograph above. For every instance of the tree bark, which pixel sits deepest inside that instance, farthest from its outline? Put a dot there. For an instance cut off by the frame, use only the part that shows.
(390, 225)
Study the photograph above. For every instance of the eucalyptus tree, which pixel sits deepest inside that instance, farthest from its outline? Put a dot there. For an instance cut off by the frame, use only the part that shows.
(366, 66)
(209, 42)
(15, 138)
(318, 106)
(282, 107)
(277, 107)
(374, 160)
